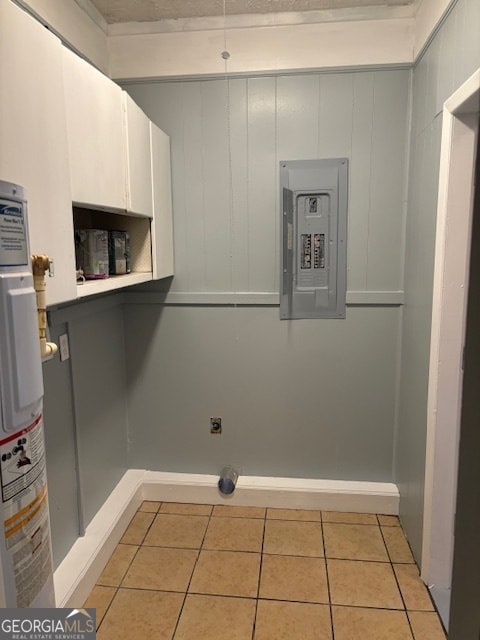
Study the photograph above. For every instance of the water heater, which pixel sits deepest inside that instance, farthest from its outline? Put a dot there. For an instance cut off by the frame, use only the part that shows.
(25, 548)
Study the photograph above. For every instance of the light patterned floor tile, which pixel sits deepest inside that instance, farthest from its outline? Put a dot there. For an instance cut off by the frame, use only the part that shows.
(292, 621)
(216, 618)
(426, 626)
(355, 623)
(414, 591)
(161, 568)
(100, 599)
(388, 521)
(294, 578)
(397, 545)
(234, 534)
(137, 614)
(232, 511)
(150, 506)
(354, 542)
(227, 573)
(117, 566)
(349, 518)
(194, 572)
(293, 538)
(304, 515)
(169, 530)
(186, 509)
(363, 584)
(137, 528)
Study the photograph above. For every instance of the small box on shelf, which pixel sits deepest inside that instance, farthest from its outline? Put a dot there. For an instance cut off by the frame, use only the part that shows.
(118, 253)
(129, 240)
(91, 252)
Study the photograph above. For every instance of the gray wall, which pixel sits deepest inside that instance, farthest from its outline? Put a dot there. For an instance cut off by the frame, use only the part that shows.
(85, 416)
(60, 452)
(453, 55)
(225, 243)
(301, 398)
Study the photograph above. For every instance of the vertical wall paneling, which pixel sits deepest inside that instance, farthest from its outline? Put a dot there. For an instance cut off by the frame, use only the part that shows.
(98, 371)
(360, 171)
(61, 452)
(335, 115)
(445, 59)
(237, 197)
(297, 117)
(226, 221)
(280, 387)
(189, 191)
(388, 165)
(470, 39)
(218, 238)
(451, 57)
(261, 214)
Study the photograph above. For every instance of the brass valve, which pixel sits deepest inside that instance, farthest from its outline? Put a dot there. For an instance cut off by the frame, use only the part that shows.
(41, 264)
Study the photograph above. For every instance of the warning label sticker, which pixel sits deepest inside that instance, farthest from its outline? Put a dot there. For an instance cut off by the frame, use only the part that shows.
(25, 511)
(22, 460)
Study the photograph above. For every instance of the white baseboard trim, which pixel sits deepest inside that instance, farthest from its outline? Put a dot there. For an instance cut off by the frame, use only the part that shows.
(77, 574)
(288, 493)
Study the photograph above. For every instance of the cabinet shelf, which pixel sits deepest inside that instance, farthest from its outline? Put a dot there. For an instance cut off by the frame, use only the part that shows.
(139, 232)
(92, 287)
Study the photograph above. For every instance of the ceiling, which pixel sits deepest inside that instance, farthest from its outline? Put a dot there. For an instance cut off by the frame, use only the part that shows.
(116, 11)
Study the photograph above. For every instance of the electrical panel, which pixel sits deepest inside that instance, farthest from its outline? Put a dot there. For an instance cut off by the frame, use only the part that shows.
(314, 196)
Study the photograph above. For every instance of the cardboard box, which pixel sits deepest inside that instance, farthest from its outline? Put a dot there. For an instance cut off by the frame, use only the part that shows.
(118, 252)
(91, 251)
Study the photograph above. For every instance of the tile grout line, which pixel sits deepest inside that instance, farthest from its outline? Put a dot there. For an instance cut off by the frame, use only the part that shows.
(396, 580)
(259, 575)
(265, 519)
(271, 599)
(330, 607)
(117, 587)
(108, 607)
(199, 550)
(435, 610)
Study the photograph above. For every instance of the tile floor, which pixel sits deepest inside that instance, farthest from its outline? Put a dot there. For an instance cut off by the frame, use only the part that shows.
(202, 572)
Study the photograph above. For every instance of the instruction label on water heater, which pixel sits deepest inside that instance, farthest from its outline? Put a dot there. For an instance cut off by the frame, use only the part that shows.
(25, 515)
(22, 460)
(13, 236)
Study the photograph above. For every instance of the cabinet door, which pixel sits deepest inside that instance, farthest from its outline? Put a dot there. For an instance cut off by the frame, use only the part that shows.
(162, 223)
(33, 148)
(139, 175)
(96, 135)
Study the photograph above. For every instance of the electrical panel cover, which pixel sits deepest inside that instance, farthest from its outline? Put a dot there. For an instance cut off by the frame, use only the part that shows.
(314, 197)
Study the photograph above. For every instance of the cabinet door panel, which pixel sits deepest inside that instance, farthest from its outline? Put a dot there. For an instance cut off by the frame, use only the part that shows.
(162, 223)
(96, 135)
(33, 150)
(139, 176)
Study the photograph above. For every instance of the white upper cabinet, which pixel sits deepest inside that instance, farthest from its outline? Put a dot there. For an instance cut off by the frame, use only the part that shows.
(96, 136)
(162, 223)
(139, 175)
(33, 143)
(70, 135)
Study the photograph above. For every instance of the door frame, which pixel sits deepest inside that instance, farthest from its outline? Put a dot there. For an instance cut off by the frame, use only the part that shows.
(450, 289)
